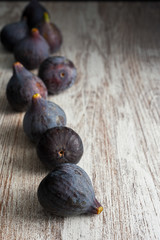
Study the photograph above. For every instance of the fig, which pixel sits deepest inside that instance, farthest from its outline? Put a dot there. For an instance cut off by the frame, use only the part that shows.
(32, 50)
(58, 73)
(68, 191)
(41, 116)
(51, 33)
(33, 12)
(12, 33)
(59, 145)
(21, 87)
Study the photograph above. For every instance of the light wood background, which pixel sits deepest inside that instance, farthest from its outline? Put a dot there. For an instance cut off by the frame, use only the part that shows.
(114, 106)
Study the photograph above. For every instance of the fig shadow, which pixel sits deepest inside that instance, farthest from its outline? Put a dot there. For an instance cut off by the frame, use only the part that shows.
(28, 208)
(14, 135)
(5, 107)
(6, 58)
(29, 163)
(7, 110)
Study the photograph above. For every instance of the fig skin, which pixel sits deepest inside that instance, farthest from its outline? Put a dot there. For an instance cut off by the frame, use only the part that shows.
(33, 12)
(41, 116)
(59, 145)
(12, 33)
(58, 74)
(21, 87)
(68, 191)
(51, 33)
(32, 50)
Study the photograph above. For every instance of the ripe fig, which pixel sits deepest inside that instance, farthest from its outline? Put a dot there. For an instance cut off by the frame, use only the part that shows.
(32, 50)
(41, 116)
(68, 191)
(33, 12)
(58, 74)
(51, 33)
(59, 145)
(12, 33)
(21, 87)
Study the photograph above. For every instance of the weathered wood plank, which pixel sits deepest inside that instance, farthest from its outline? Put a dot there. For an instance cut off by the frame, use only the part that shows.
(114, 106)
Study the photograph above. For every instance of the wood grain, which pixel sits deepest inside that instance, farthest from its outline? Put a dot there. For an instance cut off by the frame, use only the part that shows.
(114, 106)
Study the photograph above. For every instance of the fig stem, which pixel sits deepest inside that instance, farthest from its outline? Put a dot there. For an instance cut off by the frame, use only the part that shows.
(99, 210)
(46, 17)
(36, 95)
(17, 64)
(34, 32)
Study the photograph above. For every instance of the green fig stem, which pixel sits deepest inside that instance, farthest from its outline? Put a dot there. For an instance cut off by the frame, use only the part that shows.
(46, 17)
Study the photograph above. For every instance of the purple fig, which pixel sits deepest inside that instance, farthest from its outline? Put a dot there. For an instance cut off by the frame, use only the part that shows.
(32, 50)
(12, 33)
(59, 145)
(58, 74)
(21, 87)
(51, 33)
(68, 191)
(33, 12)
(41, 116)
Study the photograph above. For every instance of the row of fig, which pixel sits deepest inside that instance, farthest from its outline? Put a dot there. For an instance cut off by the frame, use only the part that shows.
(67, 190)
(33, 38)
(27, 92)
(59, 148)
(55, 75)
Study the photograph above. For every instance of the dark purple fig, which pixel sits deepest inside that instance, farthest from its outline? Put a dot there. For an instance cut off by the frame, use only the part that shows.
(33, 12)
(68, 191)
(51, 33)
(59, 145)
(12, 33)
(41, 116)
(32, 50)
(21, 87)
(58, 74)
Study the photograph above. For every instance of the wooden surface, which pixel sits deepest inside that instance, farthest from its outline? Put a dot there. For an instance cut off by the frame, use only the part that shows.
(114, 106)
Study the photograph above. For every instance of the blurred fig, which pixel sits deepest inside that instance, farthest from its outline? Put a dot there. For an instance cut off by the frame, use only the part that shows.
(58, 74)
(33, 12)
(32, 50)
(68, 191)
(21, 87)
(12, 33)
(51, 33)
(59, 145)
(41, 116)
